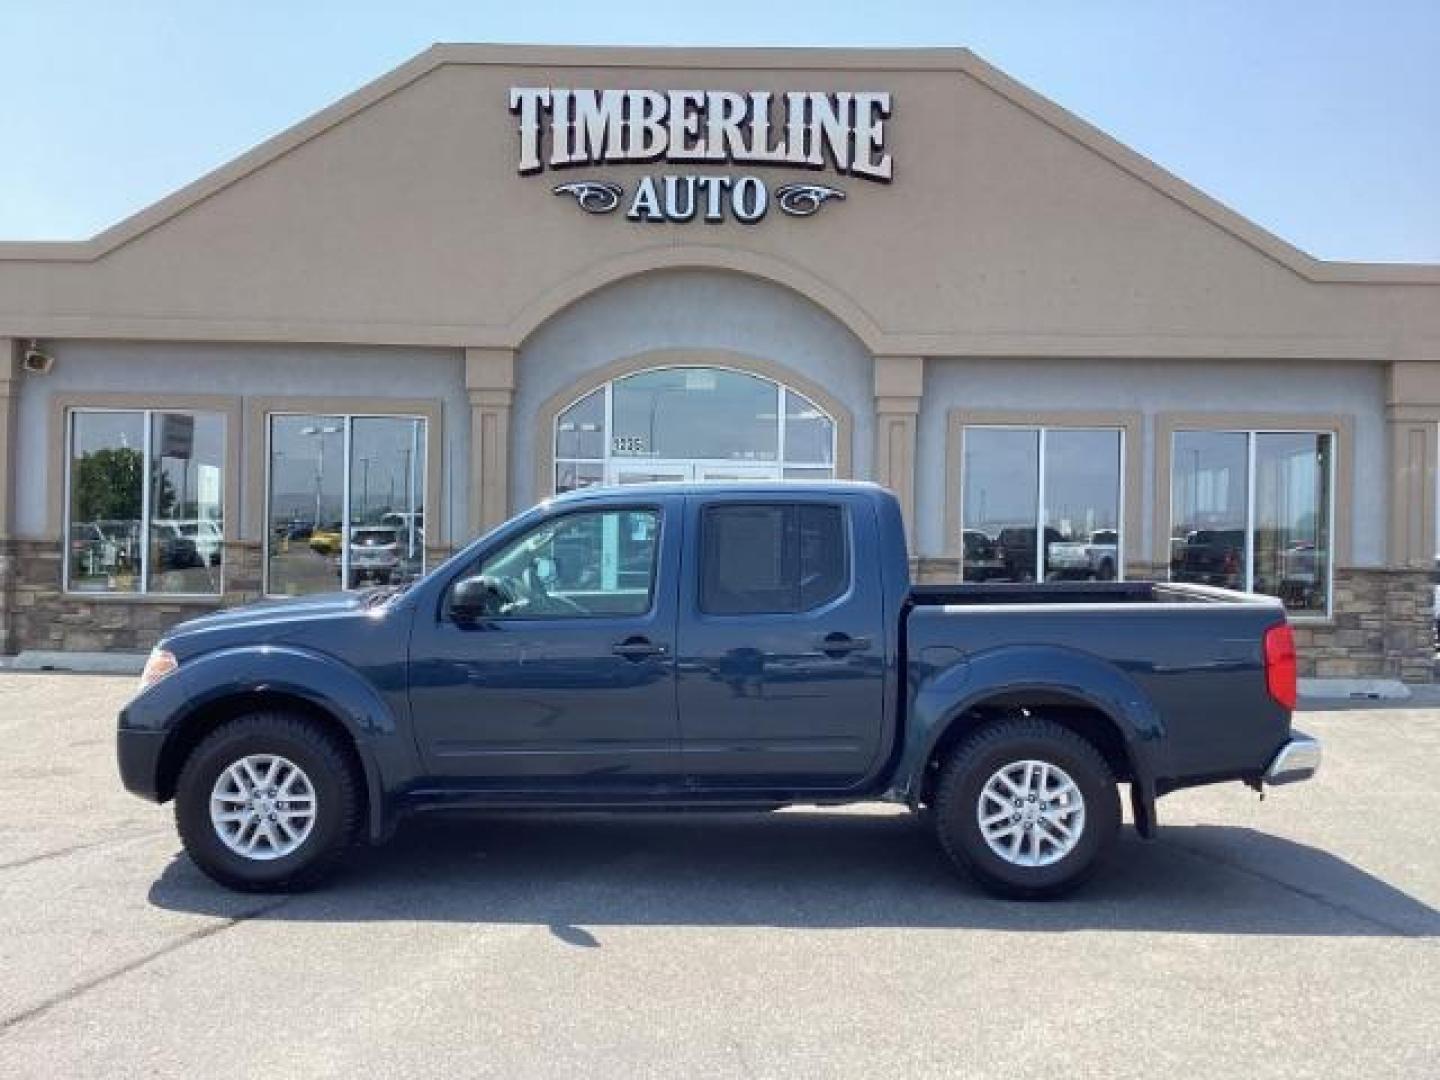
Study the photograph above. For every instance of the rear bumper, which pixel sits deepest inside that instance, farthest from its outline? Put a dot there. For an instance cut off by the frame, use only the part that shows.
(1298, 759)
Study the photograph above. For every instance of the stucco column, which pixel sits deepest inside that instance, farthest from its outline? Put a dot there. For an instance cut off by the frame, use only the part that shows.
(9, 393)
(490, 384)
(899, 381)
(1413, 425)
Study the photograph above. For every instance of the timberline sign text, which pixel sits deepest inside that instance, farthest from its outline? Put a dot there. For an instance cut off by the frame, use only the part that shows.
(563, 128)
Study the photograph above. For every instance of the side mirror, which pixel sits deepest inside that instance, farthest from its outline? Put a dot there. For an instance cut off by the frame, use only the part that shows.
(473, 598)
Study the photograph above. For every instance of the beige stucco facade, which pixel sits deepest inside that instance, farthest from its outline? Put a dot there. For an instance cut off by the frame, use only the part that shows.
(1018, 264)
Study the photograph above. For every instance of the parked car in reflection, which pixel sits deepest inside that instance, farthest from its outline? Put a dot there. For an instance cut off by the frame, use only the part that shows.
(409, 527)
(1210, 557)
(172, 549)
(1015, 548)
(1435, 585)
(294, 530)
(1300, 576)
(326, 539)
(93, 551)
(374, 554)
(204, 536)
(1096, 559)
(980, 559)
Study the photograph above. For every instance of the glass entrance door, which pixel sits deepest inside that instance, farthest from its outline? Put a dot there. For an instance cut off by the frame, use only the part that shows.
(683, 424)
(672, 472)
(719, 473)
(649, 472)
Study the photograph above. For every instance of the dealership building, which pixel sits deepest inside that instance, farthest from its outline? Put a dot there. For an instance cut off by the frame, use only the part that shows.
(500, 272)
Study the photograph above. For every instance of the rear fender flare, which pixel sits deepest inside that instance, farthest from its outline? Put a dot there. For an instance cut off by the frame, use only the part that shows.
(941, 701)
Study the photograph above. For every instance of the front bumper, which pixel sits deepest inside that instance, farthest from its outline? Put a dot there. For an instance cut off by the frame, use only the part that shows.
(1298, 759)
(138, 755)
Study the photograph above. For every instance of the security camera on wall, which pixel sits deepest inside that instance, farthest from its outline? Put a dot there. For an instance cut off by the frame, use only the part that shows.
(36, 360)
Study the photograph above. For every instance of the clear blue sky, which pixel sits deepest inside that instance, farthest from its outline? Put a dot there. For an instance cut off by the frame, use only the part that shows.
(1319, 120)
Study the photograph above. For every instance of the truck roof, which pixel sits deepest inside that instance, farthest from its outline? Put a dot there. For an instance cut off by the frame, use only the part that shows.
(697, 487)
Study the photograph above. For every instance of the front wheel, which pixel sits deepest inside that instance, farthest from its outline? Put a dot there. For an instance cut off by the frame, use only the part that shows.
(267, 803)
(1027, 808)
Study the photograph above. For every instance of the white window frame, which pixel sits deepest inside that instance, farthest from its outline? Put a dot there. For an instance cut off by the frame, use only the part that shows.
(1251, 435)
(1040, 492)
(611, 460)
(347, 421)
(148, 417)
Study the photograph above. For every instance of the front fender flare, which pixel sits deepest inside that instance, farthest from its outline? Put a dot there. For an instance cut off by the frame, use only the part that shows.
(387, 758)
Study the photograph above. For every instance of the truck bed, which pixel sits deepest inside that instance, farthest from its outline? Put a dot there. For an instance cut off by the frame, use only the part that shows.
(1187, 657)
(1078, 592)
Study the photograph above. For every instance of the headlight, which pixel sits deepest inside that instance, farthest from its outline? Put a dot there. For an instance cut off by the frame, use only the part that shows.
(158, 664)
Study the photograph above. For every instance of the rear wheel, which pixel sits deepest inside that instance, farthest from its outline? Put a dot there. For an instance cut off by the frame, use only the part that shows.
(267, 802)
(1027, 808)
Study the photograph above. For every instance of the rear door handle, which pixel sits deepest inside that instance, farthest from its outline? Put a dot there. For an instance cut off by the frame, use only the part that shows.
(839, 644)
(637, 648)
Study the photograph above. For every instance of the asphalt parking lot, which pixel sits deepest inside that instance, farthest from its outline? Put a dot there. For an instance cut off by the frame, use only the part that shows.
(1294, 937)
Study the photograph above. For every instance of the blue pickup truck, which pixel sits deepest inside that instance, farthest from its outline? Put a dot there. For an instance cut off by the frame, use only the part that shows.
(721, 647)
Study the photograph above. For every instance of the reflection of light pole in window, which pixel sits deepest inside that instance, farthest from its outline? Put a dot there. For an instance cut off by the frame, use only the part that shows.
(654, 402)
(320, 431)
(365, 489)
(410, 499)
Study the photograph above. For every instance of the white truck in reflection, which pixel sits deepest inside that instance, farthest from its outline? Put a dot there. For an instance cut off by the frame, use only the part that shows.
(1096, 559)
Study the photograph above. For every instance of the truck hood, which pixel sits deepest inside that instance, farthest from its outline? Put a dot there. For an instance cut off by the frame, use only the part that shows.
(278, 615)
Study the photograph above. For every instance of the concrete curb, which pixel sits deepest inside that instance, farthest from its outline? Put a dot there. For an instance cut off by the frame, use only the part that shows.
(97, 663)
(1354, 690)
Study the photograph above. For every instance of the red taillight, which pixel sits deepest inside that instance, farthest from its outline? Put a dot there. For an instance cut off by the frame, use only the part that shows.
(1280, 664)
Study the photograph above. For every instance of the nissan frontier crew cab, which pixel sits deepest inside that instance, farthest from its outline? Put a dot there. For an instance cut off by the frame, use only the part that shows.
(737, 647)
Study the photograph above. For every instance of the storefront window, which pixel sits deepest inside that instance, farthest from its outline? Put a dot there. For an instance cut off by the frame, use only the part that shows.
(346, 500)
(1001, 486)
(1276, 540)
(692, 423)
(1209, 494)
(1041, 504)
(146, 507)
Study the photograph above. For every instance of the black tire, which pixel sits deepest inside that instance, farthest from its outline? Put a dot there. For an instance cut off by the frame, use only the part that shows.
(336, 790)
(971, 766)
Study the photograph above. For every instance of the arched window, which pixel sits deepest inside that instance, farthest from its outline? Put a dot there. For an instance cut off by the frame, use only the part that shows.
(692, 423)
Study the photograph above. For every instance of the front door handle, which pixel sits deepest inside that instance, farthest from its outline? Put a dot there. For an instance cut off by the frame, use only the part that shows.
(637, 648)
(841, 644)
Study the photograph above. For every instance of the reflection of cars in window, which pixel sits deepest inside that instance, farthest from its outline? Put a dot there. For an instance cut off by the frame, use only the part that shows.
(95, 551)
(1210, 557)
(204, 536)
(374, 553)
(1016, 549)
(1435, 583)
(981, 561)
(1300, 576)
(172, 549)
(293, 530)
(1097, 559)
(409, 527)
(325, 539)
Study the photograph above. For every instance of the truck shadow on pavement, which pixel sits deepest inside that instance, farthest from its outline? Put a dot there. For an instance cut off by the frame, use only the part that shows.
(812, 870)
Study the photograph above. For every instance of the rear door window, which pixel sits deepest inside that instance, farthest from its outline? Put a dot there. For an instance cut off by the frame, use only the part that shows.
(773, 558)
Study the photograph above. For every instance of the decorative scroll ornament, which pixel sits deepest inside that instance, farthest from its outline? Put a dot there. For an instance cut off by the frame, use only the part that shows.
(804, 199)
(593, 196)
